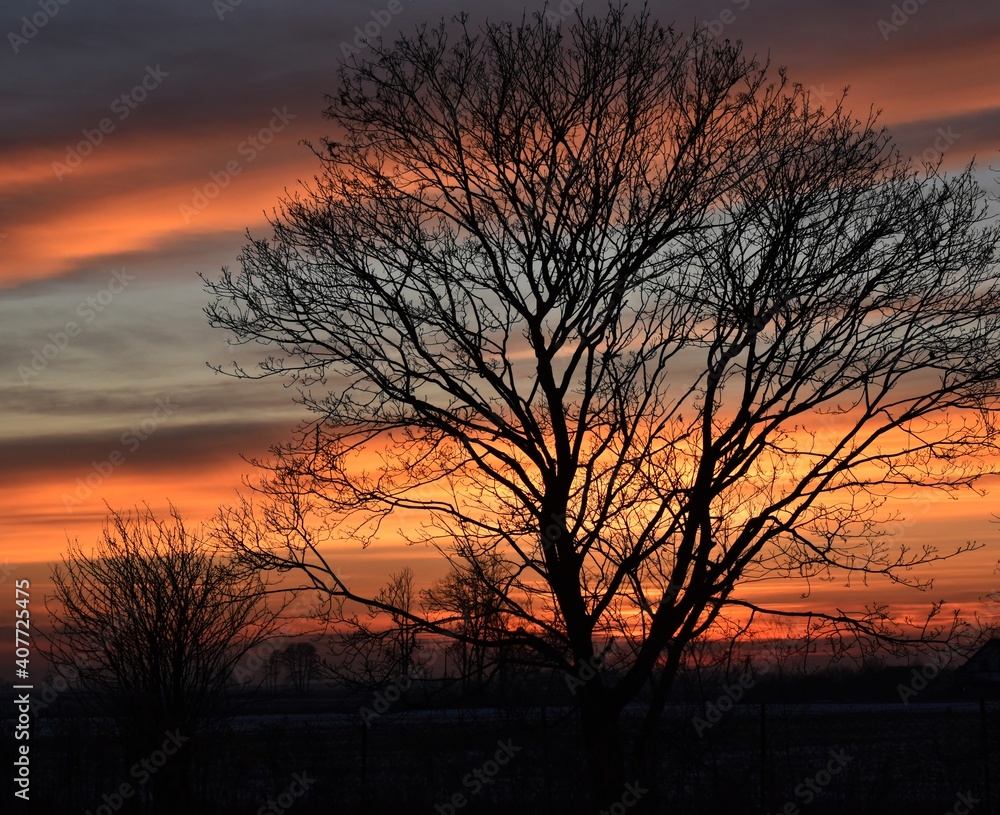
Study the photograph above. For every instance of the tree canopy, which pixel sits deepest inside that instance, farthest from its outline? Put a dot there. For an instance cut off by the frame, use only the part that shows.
(153, 622)
(627, 311)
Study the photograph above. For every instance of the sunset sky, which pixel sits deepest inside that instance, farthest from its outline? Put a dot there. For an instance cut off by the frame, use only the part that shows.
(140, 140)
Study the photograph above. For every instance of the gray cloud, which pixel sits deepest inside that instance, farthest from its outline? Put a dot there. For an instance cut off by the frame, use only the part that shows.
(170, 448)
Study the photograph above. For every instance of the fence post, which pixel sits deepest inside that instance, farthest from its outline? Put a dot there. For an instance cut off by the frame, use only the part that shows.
(763, 756)
(984, 736)
(364, 763)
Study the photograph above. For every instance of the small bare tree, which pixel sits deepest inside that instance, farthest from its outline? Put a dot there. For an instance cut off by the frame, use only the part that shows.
(467, 601)
(154, 622)
(384, 645)
(302, 663)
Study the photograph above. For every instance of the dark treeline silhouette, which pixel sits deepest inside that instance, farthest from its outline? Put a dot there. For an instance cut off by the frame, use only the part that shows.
(741, 731)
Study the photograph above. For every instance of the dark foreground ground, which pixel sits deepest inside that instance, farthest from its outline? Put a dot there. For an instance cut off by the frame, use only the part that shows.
(887, 758)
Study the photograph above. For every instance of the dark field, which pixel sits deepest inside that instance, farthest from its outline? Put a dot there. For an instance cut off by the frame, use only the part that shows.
(820, 758)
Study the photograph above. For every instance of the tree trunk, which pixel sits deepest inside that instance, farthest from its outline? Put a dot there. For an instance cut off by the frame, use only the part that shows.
(171, 784)
(642, 754)
(605, 765)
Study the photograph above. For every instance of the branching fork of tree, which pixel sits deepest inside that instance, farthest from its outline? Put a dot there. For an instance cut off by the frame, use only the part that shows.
(629, 312)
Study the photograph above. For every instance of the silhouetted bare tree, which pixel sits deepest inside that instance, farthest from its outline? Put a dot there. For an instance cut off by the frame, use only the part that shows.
(470, 600)
(154, 622)
(302, 663)
(384, 645)
(614, 307)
